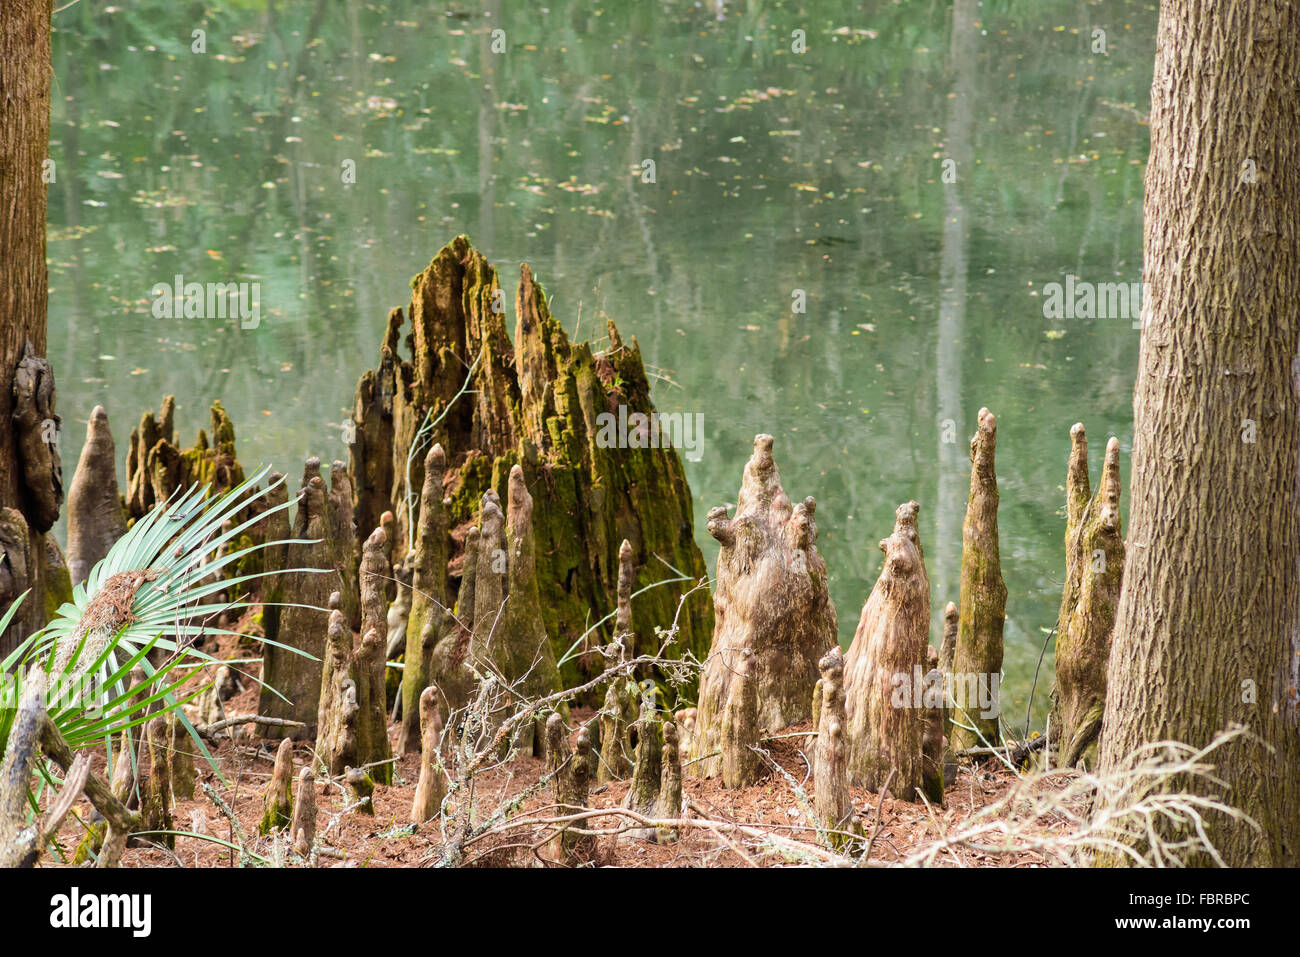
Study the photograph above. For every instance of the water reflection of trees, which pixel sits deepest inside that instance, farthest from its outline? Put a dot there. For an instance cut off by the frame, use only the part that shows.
(535, 155)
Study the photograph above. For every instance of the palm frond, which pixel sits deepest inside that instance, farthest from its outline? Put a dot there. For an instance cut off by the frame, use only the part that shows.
(149, 593)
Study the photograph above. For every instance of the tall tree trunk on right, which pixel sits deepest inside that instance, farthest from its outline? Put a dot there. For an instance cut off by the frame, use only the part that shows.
(1208, 627)
(24, 144)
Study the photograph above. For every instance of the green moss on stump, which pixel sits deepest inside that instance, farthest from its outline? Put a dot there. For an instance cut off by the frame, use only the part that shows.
(534, 400)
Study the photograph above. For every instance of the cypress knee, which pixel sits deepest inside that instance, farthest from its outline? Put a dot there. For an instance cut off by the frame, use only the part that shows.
(95, 516)
(643, 795)
(432, 786)
(373, 748)
(772, 600)
(670, 783)
(977, 658)
(302, 832)
(885, 664)
(277, 802)
(360, 788)
(336, 668)
(428, 597)
(529, 649)
(1094, 548)
(449, 668)
(934, 756)
(305, 621)
(343, 540)
(617, 716)
(156, 795)
(740, 727)
(275, 557)
(831, 799)
(180, 758)
(623, 633)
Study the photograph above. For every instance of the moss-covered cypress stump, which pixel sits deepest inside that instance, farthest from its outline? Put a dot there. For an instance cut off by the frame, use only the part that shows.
(534, 402)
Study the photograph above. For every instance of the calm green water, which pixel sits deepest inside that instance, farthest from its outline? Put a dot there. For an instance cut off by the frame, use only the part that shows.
(775, 171)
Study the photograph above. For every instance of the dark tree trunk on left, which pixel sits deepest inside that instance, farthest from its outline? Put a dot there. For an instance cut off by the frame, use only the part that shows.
(24, 144)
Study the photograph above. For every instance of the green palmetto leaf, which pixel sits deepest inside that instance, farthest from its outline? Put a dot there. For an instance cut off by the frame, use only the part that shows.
(175, 547)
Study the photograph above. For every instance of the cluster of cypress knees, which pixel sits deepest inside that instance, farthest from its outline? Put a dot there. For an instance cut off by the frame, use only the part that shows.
(460, 589)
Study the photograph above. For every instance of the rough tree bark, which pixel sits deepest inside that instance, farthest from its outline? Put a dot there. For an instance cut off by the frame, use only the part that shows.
(740, 731)
(25, 77)
(977, 657)
(1094, 571)
(1207, 629)
(771, 599)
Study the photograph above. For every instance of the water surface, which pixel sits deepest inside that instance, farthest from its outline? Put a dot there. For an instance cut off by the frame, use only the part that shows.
(774, 171)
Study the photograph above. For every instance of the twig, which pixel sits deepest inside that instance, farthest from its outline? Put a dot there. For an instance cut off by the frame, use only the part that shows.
(1134, 813)
(1016, 751)
(208, 730)
(1041, 652)
(99, 793)
(236, 827)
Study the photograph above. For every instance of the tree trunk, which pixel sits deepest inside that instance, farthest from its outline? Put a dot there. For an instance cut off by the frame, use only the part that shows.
(1208, 627)
(24, 144)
